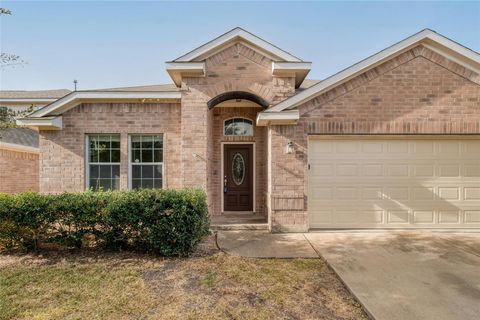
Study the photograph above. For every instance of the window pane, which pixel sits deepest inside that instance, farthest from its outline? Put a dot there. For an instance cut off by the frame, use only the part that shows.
(157, 183)
(105, 171)
(94, 171)
(116, 171)
(238, 127)
(136, 155)
(93, 155)
(104, 155)
(94, 184)
(93, 142)
(147, 183)
(105, 184)
(158, 155)
(228, 129)
(157, 172)
(136, 142)
(103, 142)
(136, 172)
(115, 141)
(147, 155)
(147, 172)
(115, 156)
(158, 142)
(147, 142)
(136, 183)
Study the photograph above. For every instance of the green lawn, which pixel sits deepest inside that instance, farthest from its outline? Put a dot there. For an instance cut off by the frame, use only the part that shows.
(209, 285)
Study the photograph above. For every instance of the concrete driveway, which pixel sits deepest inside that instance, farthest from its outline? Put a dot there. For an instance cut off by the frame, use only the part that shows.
(407, 274)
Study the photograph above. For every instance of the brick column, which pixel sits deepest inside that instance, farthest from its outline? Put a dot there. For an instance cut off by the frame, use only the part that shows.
(194, 139)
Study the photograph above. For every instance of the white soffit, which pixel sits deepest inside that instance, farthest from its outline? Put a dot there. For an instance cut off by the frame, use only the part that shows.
(299, 69)
(73, 99)
(431, 39)
(231, 36)
(48, 123)
(286, 117)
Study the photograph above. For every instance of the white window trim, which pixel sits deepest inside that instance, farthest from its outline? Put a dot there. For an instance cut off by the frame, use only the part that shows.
(252, 122)
(131, 164)
(87, 159)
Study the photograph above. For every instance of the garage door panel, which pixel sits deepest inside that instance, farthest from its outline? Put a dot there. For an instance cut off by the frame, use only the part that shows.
(394, 183)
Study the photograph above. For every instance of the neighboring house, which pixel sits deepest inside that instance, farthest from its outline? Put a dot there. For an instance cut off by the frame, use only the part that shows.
(21, 100)
(390, 142)
(19, 165)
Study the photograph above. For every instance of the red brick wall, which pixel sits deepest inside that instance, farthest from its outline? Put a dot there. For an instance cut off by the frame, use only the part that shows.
(62, 153)
(18, 171)
(418, 92)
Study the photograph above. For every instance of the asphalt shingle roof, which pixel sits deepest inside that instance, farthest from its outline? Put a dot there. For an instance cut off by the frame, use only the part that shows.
(38, 94)
(22, 136)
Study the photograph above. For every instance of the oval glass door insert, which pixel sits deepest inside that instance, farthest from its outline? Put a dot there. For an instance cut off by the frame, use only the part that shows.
(238, 169)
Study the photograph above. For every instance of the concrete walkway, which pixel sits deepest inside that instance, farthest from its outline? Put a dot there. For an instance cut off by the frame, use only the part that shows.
(395, 274)
(262, 244)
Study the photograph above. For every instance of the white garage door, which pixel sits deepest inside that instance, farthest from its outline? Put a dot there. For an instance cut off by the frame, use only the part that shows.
(394, 183)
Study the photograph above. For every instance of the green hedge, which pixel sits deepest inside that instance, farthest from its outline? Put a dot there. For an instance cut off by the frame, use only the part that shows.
(168, 222)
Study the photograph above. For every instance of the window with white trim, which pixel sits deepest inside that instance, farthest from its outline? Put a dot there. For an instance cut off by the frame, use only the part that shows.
(103, 161)
(146, 161)
(238, 127)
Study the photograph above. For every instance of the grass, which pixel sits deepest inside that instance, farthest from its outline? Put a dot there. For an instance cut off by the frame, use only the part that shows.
(209, 285)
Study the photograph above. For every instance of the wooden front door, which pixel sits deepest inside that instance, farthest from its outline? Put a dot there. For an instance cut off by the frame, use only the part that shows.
(238, 177)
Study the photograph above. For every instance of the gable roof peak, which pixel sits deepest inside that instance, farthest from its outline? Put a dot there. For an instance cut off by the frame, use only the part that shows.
(234, 35)
(427, 37)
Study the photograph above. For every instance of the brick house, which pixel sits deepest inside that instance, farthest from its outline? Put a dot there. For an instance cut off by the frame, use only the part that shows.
(19, 163)
(390, 142)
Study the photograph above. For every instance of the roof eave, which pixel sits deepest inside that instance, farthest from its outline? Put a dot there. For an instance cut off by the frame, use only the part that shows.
(47, 123)
(178, 70)
(69, 101)
(289, 117)
(299, 70)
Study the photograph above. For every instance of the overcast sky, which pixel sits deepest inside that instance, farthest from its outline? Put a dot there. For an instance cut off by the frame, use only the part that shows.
(111, 44)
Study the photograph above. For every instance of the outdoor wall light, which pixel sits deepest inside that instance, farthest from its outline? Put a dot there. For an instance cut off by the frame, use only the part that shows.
(289, 147)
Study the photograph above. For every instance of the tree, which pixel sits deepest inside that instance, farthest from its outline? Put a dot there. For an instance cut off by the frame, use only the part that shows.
(8, 59)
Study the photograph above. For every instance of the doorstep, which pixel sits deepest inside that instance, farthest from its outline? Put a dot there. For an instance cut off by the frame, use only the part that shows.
(238, 221)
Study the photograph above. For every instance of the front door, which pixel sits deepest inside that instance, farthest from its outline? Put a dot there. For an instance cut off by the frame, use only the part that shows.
(238, 177)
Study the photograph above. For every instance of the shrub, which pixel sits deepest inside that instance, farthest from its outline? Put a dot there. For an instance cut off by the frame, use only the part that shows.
(168, 222)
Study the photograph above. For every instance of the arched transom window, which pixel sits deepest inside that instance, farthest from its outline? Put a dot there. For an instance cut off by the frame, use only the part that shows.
(238, 127)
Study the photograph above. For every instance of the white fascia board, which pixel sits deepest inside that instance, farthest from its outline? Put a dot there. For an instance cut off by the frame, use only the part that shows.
(287, 117)
(78, 97)
(237, 33)
(186, 66)
(177, 70)
(18, 147)
(27, 100)
(279, 66)
(49, 123)
(372, 61)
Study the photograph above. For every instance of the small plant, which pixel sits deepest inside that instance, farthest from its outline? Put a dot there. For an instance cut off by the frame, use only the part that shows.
(209, 279)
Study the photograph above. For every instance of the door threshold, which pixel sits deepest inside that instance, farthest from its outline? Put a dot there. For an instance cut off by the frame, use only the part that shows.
(238, 212)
